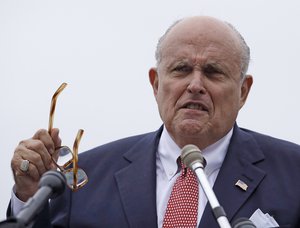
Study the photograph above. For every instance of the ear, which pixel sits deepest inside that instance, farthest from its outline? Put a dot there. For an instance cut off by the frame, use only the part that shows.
(153, 78)
(245, 89)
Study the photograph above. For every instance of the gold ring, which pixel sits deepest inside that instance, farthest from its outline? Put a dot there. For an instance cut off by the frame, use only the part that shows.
(24, 165)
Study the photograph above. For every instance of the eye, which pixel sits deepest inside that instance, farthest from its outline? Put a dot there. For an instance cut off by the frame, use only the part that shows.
(212, 70)
(183, 68)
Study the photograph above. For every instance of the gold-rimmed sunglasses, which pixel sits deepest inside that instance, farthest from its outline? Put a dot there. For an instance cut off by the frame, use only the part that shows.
(67, 160)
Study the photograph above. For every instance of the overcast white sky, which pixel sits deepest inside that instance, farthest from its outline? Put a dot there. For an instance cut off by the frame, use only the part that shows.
(103, 50)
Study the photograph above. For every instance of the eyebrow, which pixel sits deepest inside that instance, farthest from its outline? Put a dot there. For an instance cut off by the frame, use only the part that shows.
(215, 65)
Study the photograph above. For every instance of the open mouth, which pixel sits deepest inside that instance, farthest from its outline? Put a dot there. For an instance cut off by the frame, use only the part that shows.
(196, 106)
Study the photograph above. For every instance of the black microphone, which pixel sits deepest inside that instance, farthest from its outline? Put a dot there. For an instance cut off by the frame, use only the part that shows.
(51, 185)
(243, 223)
(192, 158)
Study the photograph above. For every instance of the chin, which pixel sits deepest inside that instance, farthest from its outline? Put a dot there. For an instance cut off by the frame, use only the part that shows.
(192, 129)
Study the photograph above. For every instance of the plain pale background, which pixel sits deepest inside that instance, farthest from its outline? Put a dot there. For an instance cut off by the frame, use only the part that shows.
(103, 50)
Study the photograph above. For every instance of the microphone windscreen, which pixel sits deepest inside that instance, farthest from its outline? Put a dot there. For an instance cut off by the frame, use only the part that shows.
(55, 180)
(190, 154)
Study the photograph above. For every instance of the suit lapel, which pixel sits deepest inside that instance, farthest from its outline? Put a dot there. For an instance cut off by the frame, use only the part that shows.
(137, 183)
(239, 165)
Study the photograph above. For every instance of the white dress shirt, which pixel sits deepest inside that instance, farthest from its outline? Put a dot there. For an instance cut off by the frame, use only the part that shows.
(167, 170)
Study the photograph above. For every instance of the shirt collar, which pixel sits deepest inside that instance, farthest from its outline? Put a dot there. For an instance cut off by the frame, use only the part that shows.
(169, 151)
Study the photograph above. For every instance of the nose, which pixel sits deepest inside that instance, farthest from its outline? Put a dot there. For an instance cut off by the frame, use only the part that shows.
(196, 84)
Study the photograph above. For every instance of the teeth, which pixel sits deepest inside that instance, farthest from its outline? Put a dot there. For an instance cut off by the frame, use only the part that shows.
(194, 106)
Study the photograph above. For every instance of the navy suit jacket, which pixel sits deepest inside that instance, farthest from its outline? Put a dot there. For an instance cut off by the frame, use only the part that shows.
(121, 191)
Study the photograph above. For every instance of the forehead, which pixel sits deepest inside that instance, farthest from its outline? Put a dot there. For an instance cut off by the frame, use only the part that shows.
(202, 37)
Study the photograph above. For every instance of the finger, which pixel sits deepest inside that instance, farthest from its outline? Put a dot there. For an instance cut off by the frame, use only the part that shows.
(34, 158)
(31, 175)
(36, 161)
(47, 140)
(26, 183)
(36, 152)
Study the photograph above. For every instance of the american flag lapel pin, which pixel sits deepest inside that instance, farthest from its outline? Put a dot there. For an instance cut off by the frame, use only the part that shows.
(242, 185)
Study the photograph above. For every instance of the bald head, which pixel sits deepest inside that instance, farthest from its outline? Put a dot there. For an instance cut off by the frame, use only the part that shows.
(208, 28)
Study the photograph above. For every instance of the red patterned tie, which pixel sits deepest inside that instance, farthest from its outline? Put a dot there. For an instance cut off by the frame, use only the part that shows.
(182, 209)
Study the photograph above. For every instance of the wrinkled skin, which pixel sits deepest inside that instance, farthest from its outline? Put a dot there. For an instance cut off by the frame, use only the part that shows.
(37, 150)
(197, 84)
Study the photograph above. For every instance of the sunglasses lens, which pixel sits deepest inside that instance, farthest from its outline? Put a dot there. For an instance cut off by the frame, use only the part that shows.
(81, 178)
(65, 156)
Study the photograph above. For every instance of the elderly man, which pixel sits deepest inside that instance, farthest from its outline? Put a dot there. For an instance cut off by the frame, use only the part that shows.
(200, 84)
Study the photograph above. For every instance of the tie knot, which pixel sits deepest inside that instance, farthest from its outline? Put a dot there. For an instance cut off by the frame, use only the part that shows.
(184, 170)
(182, 165)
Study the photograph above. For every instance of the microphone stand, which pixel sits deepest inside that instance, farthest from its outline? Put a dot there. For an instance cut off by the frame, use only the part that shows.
(218, 211)
(51, 185)
(193, 159)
